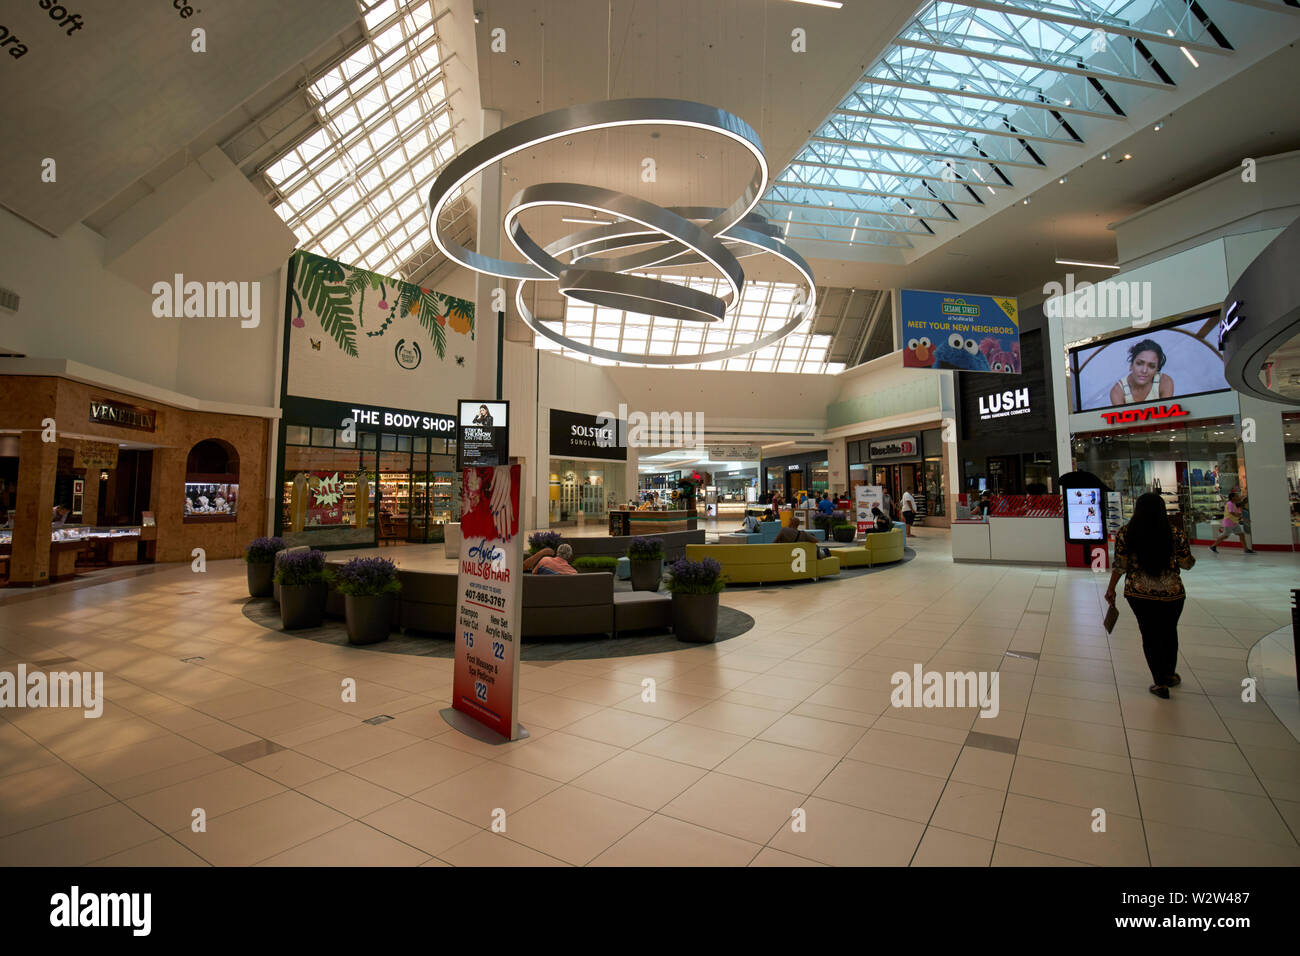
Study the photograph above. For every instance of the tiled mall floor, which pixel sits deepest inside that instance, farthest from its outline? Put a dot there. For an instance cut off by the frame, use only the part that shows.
(795, 714)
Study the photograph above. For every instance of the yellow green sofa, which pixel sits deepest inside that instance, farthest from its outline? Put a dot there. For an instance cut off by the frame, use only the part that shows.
(881, 547)
(762, 563)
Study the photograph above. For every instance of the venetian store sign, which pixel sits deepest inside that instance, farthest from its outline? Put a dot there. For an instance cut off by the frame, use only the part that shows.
(120, 415)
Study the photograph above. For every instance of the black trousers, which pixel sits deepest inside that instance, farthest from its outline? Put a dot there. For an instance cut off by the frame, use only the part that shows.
(1158, 622)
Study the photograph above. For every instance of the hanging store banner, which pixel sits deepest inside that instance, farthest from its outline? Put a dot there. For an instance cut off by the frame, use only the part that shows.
(489, 589)
(968, 333)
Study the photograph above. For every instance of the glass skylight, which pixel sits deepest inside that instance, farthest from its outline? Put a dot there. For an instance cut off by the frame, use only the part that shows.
(352, 190)
(765, 307)
(964, 98)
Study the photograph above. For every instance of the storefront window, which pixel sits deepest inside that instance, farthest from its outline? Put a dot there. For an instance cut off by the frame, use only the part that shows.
(933, 489)
(820, 477)
(589, 488)
(1192, 467)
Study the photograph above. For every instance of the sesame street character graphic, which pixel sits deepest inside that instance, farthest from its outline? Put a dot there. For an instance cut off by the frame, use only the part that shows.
(919, 353)
(999, 359)
(960, 353)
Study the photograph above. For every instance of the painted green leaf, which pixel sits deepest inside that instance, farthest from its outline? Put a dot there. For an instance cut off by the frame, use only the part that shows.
(322, 283)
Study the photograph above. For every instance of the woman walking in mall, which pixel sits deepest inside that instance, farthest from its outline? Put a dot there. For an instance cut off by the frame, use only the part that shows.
(1233, 523)
(1149, 550)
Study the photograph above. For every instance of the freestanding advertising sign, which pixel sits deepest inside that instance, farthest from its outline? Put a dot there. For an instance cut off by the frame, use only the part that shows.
(485, 685)
(867, 496)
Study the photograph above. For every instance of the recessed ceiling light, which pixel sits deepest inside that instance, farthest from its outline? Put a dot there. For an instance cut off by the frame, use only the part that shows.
(1159, 126)
(1025, 201)
(1084, 262)
(1127, 156)
(1191, 59)
(1105, 155)
(1063, 180)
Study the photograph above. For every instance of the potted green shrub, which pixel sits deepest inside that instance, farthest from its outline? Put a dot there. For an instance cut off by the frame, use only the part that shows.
(695, 586)
(646, 559)
(595, 563)
(303, 590)
(844, 532)
(260, 558)
(369, 587)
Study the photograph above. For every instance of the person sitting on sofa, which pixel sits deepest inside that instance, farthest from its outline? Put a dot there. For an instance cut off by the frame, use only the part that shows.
(880, 521)
(791, 535)
(546, 561)
(750, 526)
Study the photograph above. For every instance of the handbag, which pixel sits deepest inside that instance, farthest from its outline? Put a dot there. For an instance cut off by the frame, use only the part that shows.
(1112, 615)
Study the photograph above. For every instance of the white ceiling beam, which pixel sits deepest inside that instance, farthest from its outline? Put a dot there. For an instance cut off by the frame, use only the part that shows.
(960, 127)
(1053, 15)
(1026, 62)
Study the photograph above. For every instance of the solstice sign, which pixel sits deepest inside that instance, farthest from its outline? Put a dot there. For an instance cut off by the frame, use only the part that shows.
(485, 682)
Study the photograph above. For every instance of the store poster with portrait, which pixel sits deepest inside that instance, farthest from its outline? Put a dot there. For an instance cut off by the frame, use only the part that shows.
(1150, 365)
(969, 333)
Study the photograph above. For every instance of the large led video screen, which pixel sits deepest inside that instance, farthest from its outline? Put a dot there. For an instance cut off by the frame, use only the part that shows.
(1149, 365)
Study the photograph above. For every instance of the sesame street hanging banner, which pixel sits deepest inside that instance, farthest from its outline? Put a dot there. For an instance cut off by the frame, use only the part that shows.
(967, 333)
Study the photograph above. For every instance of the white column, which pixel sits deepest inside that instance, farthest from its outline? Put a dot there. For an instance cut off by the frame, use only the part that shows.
(489, 244)
(1061, 385)
(1265, 459)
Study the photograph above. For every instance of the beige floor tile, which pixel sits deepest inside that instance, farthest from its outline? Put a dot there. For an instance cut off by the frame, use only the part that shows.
(486, 848)
(666, 705)
(88, 836)
(1006, 855)
(1074, 734)
(664, 841)
(900, 793)
(163, 851)
(290, 768)
(421, 826)
(1085, 787)
(1072, 708)
(1183, 846)
(476, 794)
(555, 712)
(215, 794)
(697, 746)
(842, 835)
(360, 743)
(349, 794)
(618, 728)
(416, 767)
(640, 779)
(1216, 811)
(777, 765)
(732, 718)
(968, 808)
(945, 848)
(741, 808)
(218, 736)
(600, 690)
(770, 857)
(260, 830)
(1217, 780)
(560, 756)
(811, 733)
(920, 755)
(1062, 830)
(353, 844)
(113, 766)
(574, 825)
(1187, 752)
(44, 795)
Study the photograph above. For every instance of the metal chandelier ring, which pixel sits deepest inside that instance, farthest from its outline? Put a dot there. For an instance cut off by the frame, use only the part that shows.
(568, 121)
(676, 299)
(749, 237)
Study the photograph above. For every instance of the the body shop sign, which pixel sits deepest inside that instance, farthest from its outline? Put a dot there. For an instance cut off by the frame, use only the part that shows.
(485, 684)
(905, 447)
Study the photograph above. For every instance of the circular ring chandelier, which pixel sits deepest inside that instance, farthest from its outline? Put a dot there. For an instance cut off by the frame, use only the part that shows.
(645, 236)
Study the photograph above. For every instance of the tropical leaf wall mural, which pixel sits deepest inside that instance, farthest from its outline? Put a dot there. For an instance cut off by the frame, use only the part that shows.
(336, 293)
(356, 335)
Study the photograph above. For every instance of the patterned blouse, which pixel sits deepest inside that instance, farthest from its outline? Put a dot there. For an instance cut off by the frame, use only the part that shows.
(1138, 584)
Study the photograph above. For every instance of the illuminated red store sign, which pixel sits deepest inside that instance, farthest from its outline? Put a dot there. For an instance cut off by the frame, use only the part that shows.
(1143, 414)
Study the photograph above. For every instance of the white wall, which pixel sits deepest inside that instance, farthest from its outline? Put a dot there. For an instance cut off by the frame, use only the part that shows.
(73, 308)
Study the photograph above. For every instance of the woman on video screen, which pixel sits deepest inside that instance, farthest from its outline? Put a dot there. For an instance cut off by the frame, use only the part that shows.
(1145, 380)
